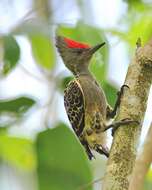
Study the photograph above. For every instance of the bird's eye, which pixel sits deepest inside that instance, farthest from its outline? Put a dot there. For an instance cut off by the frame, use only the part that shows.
(79, 51)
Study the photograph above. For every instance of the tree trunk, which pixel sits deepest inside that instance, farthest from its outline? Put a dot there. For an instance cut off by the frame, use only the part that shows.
(133, 106)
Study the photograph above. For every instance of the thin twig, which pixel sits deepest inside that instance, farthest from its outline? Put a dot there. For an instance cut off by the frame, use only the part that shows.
(42, 80)
(83, 187)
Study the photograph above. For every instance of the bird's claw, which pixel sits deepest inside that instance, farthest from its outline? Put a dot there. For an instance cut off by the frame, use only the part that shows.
(126, 121)
(102, 150)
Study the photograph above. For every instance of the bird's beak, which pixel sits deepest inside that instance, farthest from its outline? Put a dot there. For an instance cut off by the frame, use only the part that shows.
(95, 48)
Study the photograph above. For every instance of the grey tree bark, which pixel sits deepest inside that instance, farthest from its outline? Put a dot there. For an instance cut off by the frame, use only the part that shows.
(133, 106)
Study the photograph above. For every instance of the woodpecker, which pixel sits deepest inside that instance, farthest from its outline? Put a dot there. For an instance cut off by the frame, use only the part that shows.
(84, 99)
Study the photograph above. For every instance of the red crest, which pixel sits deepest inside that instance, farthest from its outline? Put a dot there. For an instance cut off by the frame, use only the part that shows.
(73, 44)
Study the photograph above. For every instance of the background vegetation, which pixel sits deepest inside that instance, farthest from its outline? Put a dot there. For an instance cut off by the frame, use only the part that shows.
(38, 150)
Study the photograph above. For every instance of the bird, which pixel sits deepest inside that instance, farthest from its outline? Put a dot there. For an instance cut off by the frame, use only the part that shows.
(84, 99)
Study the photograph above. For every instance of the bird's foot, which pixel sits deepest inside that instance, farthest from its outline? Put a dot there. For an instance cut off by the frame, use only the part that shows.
(122, 122)
(112, 112)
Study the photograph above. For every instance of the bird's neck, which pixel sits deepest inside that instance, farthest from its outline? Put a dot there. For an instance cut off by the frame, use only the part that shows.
(83, 72)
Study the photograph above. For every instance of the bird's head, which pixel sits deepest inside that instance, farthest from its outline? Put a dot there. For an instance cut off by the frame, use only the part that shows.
(76, 55)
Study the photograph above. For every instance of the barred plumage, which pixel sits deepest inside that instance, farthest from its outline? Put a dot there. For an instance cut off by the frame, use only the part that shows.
(74, 105)
(85, 115)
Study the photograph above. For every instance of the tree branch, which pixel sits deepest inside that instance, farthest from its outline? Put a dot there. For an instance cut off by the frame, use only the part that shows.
(142, 163)
(133, 106)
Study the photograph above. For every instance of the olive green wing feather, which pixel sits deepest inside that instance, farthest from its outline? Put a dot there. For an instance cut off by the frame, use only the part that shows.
(74, 105)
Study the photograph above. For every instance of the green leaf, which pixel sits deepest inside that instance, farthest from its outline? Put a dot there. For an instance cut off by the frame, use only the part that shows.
(11, 53)
(43, 50)
(18, 105)
(92, 36)
(17, 151)
(133, 1)
(148, 180)
(64, 82)
(98, 68)
(138, 6)
(111, 93)
(3, 128)
(141, 28)
(62, 162)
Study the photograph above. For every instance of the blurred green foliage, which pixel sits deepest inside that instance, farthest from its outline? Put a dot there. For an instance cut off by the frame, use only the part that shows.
(131, 2)
(17, 151)
(111, 92)
(18, 106)
(64, 82)
(148, 180)
(141, 28)
(11, 53)
(13, 111)
(43, 50)
(139, 21)
(62, 162)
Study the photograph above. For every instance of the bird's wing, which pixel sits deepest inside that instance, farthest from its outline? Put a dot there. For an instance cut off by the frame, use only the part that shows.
(74, 105)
